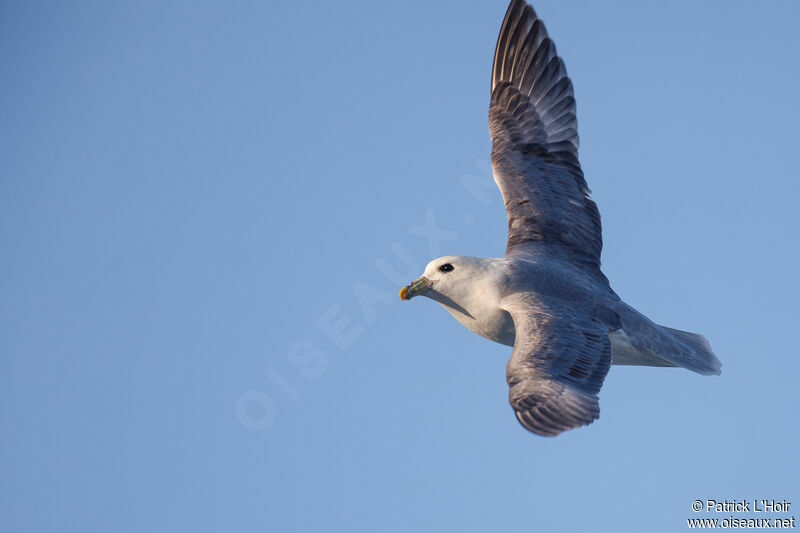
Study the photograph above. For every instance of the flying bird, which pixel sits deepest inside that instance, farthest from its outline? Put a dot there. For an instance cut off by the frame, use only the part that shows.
(547, 297)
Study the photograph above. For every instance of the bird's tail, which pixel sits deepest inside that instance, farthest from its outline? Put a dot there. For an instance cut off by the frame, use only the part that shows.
(639, 341)
(704, 360)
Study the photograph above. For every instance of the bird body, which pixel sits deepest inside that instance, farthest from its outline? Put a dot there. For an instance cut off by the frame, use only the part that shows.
(547, 297)
(478, 306)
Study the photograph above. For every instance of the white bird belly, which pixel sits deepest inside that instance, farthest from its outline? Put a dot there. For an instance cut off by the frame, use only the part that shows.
(497, 325)
(492, 323)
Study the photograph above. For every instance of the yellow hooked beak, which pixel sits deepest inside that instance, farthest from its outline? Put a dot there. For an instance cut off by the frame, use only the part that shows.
(420, 286)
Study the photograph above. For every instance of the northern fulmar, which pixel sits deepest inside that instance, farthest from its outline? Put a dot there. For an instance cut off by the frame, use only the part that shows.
(547, 297)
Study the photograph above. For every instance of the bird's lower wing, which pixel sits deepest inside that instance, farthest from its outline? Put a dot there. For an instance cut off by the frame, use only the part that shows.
(558, 365)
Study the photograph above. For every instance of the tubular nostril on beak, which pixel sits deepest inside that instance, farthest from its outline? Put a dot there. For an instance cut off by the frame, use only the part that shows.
(415, 288)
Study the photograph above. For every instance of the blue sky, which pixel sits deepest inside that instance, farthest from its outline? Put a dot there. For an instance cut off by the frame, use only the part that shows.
(206, 212)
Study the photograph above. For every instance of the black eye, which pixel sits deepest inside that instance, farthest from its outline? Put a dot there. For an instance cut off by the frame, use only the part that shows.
(447, 267)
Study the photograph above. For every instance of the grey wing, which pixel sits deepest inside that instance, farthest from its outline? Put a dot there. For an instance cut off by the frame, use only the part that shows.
(557, 367)
(534, 135)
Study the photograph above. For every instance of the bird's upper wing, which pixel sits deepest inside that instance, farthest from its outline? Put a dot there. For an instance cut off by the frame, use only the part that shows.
(561, 357)
(535, 145)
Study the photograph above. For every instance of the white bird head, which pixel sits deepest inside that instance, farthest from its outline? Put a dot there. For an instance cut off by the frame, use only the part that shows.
(468, 287)
(451, 276)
